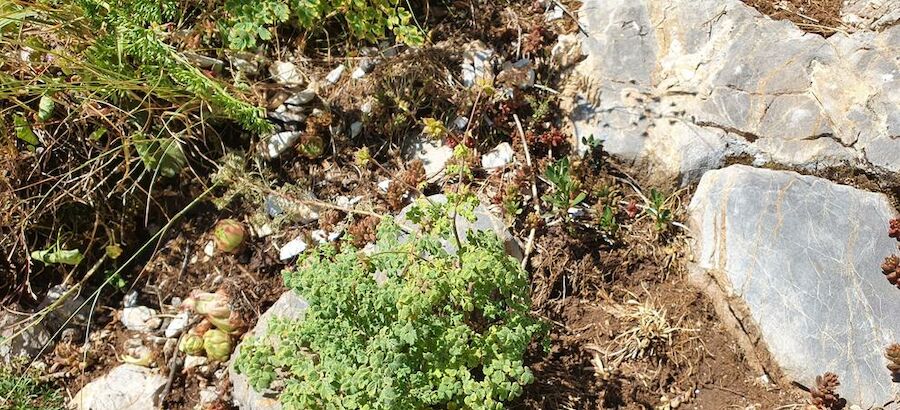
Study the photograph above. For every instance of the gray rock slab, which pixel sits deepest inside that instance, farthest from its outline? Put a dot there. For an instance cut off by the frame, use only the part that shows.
(126, 387)
(802, 256)
(288, 306)
(770, 90)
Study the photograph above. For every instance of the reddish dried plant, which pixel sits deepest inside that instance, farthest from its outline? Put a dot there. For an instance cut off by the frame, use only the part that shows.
(891, 270)
(408, 181)
(363, 231)
(894, 229)
(824, 394)
(891, 265)
(892, 353)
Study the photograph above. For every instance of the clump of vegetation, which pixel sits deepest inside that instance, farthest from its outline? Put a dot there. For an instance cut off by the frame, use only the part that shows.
(408, 326)
(252, 20)
(824, 394)
(21, 389)
(892, 353)
(567, 191)
(891, 265)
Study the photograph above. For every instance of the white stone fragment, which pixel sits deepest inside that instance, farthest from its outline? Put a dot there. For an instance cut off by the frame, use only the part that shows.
(292, 249)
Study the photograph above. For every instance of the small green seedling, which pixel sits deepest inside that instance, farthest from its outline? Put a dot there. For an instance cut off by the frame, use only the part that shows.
(566, 191)
(657, 208)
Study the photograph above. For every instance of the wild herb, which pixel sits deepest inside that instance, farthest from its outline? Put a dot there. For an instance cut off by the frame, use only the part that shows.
(409, 326)
(566, 190)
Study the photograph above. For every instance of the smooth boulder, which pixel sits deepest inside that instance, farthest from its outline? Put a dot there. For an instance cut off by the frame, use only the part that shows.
(794, 261)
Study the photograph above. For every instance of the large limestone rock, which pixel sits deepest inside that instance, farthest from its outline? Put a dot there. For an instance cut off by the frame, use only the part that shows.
(127, 387)
(684, 84)
(288, 306)
(794, 261)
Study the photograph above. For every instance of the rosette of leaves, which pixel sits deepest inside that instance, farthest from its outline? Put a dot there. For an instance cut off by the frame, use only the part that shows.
(434, 330)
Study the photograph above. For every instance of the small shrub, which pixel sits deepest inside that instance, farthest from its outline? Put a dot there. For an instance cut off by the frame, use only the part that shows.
(434, 330)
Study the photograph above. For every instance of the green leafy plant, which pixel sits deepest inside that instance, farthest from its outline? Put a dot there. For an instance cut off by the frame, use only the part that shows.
(253, 20)
(608, 223)
(409, 326)
(566, 191)
(661, 214)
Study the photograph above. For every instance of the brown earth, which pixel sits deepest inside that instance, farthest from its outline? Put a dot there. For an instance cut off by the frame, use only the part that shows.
(814, 16)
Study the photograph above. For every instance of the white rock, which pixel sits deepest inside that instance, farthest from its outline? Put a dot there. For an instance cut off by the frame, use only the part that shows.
(126, 387)
(793, 265)
(264, 230)
(286, 117)
(433, 154)
(130, 299)
(285, 73)
(477, 64)
(356, 129)
(193, 362)
(384, 185)
(301, 98)
(460, 123)
(357, 73)
(555, 13)
(210, 248)
(208, 396)
(322, 237)
(485, 220)
(346, 202)
(335, 74)
(292, 249)
(177, 325)
(140, 319)
(498, 157)
(280, 142)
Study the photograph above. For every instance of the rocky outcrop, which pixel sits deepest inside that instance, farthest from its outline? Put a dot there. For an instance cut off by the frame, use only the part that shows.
(794, 263)
(126, 387)
(870, 14)
(684, 84)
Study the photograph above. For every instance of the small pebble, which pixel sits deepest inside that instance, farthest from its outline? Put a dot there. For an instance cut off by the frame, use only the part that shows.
(177, 325)
(292, 249)
(140, 319)
(335, 74)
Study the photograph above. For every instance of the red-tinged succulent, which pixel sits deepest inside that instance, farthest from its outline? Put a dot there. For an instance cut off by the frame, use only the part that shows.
(892, 353)
(824, 394)
(894, 229)
(891, 270)
(229, 235)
